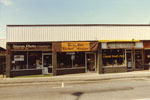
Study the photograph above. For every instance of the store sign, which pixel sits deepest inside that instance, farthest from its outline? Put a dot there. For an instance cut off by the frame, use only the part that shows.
(75, 46)
(18, 57)
(114, 56)
(29, 46)
(139, 45)
(121, 45)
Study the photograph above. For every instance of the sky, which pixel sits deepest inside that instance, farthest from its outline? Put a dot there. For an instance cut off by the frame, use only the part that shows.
(73, 12)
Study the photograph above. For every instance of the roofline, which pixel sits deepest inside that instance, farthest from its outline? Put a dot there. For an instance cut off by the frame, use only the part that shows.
(145, 40)
(46, 42)
(79, 25)
(119, 40)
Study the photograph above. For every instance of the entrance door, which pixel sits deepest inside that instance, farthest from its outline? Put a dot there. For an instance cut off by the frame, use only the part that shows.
(91, 61)
(129, 57)
(139, 60)
(47, 62)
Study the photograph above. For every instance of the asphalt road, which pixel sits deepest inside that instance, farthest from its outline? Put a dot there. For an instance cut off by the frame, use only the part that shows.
(118, 89)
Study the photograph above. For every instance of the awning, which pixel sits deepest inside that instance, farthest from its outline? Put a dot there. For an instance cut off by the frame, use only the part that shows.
(74, 46)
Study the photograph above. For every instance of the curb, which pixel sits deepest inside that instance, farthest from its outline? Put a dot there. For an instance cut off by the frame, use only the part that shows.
(45, 80)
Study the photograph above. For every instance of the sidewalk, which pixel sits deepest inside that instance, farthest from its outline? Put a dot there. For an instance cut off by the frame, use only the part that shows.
(77, 77)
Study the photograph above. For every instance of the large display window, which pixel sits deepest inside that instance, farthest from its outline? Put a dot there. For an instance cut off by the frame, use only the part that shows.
(34, 59)
(113, 57)
(19, 60)
(147, 57)
(70, 59)
(139, 60)
(28, 60)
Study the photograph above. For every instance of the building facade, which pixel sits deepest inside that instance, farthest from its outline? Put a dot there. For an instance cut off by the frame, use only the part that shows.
(77, 48)
(2, 56)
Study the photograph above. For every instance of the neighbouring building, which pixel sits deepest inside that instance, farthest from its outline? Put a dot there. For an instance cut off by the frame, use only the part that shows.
(146, 44)
(76, 48)
(2, 55)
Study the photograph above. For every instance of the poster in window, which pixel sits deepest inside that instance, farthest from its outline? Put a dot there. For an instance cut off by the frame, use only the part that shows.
(18, 57)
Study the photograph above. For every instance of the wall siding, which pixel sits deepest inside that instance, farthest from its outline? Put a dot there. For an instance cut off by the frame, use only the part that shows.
(3, 43)
(76, 33)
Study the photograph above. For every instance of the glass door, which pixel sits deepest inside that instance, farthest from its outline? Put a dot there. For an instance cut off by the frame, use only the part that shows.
(91, 61)
(47, 63)
(129, 58)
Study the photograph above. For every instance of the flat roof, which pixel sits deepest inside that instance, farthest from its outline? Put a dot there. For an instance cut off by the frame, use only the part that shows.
(79, 25)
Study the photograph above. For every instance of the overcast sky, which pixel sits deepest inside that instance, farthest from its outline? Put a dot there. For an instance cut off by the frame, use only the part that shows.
(73, 12)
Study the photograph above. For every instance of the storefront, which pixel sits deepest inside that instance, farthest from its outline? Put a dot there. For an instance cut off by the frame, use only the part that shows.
(29, 58)
(32, 58)
(122, 56)
(75, 57)
(146, 54)
(2, 60)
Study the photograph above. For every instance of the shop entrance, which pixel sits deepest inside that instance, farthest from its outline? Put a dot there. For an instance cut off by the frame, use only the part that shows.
(139, 65)
(91, 61)
(47, 63)
(129, 57)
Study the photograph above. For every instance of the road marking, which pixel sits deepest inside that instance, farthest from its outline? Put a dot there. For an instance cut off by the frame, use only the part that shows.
(64, 87)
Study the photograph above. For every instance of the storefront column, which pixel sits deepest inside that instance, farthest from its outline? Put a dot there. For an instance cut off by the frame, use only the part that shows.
(54, 62)
(133, 64)
(8, 61)
(99, 59)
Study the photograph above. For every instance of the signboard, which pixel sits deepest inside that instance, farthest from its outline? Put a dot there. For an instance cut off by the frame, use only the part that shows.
(121, 45)
(139, 45)
(18, 57)
(30, 46)
(75, 46)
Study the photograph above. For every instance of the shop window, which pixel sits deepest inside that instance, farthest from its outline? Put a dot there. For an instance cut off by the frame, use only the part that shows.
(19, 60)
(71, 59)
(147, 57)
(79, 60)
(34, 59)
(113, 57)
(138, 59)
(26, 60)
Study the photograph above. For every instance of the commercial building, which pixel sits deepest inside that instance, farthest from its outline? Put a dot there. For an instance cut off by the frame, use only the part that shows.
(76, 48)
(2, 55)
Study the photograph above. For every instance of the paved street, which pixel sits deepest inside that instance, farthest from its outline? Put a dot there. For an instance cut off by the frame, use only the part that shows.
(113, 89)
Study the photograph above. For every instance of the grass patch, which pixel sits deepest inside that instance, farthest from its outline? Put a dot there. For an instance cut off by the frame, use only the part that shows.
(31, 76)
